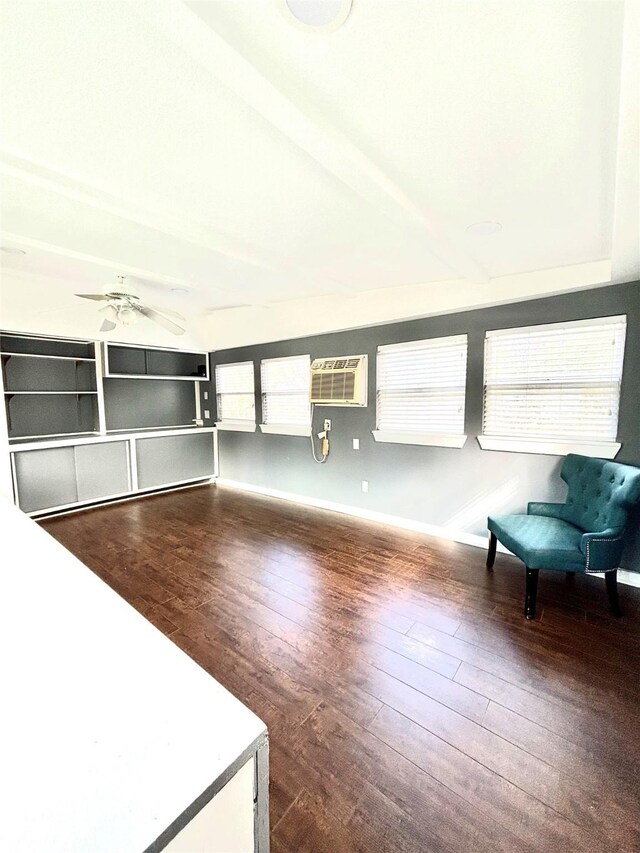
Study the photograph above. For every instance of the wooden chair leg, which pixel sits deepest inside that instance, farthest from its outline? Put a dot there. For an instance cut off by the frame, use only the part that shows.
(611, 580)
(491, 553)
(531, 594)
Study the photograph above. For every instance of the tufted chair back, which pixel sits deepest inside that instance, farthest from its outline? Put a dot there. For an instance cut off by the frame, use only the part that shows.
(600, 492)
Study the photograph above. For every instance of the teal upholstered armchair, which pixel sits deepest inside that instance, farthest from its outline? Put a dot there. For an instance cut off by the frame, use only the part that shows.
(584, 534)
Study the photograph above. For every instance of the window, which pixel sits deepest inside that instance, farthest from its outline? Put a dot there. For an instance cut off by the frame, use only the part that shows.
(235, 396)
(421, 392)
(554, 388)
(285, 395)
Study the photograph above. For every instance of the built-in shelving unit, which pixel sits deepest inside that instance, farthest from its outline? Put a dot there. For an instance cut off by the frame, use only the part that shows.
(82, 428)
(136, 362)
(50, 386)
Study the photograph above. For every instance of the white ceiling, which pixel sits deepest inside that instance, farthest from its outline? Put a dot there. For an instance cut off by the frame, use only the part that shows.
(217, 147)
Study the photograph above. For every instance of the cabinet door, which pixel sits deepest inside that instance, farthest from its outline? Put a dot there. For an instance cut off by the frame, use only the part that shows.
(46, 478)
(102, 470)
(174, 458)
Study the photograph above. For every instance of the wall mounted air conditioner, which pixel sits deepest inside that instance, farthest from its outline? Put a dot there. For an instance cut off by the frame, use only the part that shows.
(339, 381)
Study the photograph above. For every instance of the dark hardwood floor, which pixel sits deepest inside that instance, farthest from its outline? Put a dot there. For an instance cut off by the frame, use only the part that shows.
(410, 705)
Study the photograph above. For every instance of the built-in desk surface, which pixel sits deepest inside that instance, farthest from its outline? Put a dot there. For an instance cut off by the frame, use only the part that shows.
(108, 732)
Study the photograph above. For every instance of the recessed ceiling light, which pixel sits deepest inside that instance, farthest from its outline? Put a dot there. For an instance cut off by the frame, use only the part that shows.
(484, 229)
(318, 15)
(12, 250)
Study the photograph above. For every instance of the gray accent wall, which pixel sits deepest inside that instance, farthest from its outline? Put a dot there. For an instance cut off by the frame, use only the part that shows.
(447, 487)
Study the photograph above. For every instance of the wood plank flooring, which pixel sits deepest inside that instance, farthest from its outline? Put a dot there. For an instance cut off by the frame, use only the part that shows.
(410, 706)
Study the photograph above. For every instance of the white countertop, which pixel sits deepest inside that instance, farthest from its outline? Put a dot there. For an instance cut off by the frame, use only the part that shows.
(97, 438)
(108, 731)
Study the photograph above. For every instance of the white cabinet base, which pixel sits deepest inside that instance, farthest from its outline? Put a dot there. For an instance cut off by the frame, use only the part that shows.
(226, 823)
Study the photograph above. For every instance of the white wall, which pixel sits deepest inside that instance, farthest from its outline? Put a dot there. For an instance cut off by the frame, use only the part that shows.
(299, 318)
(47, 306)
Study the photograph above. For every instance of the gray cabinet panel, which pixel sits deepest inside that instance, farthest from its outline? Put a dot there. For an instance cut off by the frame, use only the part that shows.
(51, 414)
(102, 470)
(46, 478)
(48, 374)
(144, 403)
(169, 459)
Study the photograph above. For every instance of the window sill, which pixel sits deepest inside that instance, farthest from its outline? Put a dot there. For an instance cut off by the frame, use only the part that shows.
(286, 429)
(601, 449)
(236, 426)
(423, 438)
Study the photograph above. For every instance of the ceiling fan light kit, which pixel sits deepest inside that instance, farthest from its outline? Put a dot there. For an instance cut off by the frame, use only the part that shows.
(124, 307)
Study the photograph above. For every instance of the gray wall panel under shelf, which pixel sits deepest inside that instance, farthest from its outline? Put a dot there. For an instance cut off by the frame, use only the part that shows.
(47, 374)
(142, 404)
(171, 459)
(51, 414)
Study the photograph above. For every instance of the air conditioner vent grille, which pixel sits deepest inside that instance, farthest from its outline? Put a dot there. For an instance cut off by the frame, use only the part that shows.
(337, 385)
(339, 381)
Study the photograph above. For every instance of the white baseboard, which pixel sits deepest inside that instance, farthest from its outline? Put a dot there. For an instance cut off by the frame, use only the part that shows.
(624, 577)
(368, 514)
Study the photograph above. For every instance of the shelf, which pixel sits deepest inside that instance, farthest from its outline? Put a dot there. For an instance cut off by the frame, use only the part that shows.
(36, 355)
(45, 393)
(157, 377)
(52, 436)
(42, 347)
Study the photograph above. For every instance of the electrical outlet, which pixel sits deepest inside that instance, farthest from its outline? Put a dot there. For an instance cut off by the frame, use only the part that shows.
(356, 444)
(206, 395)
(365, 485)
(207, 414)
(327, 424)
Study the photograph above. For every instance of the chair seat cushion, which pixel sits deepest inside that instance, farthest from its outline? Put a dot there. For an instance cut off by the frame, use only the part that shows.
(540, 542)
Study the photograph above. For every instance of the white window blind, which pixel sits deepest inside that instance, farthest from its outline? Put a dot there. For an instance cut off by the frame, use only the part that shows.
(235, 392)
(559, 381)
(285, 390)
(421, 386)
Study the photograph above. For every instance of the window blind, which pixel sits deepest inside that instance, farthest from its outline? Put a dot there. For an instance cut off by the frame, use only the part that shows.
(559, 381)
(285, 390)
(421, 386)
(235, 392)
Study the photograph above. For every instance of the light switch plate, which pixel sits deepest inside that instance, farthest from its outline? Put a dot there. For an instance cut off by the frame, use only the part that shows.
(365, 485)
(356, 444)
(206, 395)
(207, 414)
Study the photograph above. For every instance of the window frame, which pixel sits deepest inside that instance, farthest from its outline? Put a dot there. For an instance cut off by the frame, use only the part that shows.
(605, 448)
(235, 424)
(285, 428)
(421, 437)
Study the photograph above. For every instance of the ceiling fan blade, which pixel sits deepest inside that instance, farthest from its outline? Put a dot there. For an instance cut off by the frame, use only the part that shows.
(169, 325)
(96, 296)
(107, 326)
(167, 312)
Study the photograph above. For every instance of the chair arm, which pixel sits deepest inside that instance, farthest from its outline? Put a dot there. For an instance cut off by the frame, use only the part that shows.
(602, 550)
(550, 510)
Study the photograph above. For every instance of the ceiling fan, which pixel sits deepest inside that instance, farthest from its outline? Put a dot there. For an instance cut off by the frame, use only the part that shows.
(124, 306)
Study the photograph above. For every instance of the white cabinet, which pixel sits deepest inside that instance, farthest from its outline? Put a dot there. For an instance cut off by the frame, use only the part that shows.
(67, 473)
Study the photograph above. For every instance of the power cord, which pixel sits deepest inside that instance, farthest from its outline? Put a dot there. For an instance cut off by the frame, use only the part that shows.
(324, 447)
